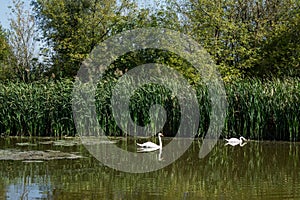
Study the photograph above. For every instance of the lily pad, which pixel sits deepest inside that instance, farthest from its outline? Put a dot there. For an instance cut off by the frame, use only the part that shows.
(97, 140)
(33, 161)
(13, 154)
(26, 144)
(46, 142)
(66, 143)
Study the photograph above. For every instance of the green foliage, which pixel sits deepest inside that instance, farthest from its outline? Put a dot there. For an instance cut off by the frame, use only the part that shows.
(73, 28)
(280, 52)
(36, 109)
(258, 110)
(137, 58)
(141, 102)
(243, 35)
(264, 109)
(6, 57)
(4, 46)
(245, 38)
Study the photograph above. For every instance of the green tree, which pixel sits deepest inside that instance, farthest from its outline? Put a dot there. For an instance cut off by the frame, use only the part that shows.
(233, 32)
(154, 15)
(6, 70)
(280, 52)
(73, 28)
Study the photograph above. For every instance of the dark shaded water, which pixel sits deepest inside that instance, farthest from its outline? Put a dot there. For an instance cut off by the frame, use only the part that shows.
(258, 170)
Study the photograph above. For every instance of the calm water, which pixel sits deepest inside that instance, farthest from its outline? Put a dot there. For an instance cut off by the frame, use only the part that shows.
(258, 170)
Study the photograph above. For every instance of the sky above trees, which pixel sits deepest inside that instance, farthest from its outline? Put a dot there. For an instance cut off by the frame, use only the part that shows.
(4, 11)
(4, 14)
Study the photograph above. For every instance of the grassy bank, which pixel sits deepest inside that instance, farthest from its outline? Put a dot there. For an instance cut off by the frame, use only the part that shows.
(257, 110)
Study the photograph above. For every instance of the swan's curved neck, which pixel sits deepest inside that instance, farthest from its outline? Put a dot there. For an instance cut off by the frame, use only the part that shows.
(160, 143)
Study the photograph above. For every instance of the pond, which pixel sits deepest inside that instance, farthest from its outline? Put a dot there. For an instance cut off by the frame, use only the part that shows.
(43, 168)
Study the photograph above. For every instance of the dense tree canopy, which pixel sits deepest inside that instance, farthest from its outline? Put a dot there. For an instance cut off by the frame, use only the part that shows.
(246, 38)
(5, 56)
(4, 46)
(241, 35)
(280, 52)
(73, 28)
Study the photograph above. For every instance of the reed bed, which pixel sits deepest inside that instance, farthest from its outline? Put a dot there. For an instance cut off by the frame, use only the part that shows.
(143, 99)
(36, 109)
(264, 110)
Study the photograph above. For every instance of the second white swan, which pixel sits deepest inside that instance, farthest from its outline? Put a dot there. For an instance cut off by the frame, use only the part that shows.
(151, 144)
(236, 140)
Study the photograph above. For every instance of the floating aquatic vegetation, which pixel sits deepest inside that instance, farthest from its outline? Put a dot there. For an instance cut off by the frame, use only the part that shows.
(67, 143)
(26, 144)
(14, 154)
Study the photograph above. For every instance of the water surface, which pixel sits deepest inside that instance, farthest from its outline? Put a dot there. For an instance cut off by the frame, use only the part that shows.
(258, 170)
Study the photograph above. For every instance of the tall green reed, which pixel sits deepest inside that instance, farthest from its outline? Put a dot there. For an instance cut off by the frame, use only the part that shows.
(264, 109)
(257, 109)
(36, 109)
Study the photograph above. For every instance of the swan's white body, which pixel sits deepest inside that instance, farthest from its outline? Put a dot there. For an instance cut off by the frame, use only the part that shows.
(150, 146)
(236, 140)
(146, 150)
(234, 144)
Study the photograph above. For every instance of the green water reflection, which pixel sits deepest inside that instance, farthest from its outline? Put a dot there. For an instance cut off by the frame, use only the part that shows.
(258, 170)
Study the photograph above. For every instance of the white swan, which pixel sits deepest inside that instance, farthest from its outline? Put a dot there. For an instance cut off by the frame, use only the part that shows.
(146, 150)
(152, 146)
(236, 140)
(234, 144)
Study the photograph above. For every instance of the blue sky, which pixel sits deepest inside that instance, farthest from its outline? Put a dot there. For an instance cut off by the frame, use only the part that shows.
(4, 13)
(4, 10)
